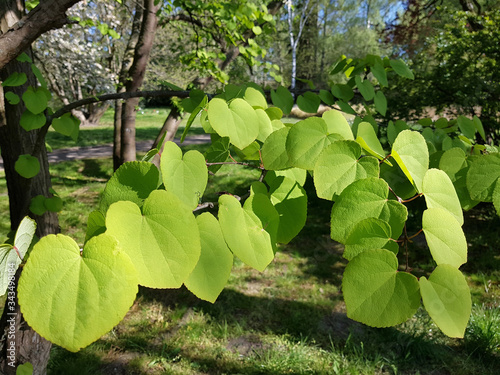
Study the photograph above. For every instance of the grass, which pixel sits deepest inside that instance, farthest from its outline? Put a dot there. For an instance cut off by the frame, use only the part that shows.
(289, 319)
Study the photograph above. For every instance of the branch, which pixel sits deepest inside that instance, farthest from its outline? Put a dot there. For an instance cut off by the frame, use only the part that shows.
(48, 15)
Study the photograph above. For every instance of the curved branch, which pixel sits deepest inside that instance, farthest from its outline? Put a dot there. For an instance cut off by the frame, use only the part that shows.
(48, 15)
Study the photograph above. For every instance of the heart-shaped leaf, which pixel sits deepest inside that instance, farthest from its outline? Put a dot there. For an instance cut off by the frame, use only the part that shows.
(337, 123)
(246, 233)
(185, 176)
(15, 79)
(447, 299)
(72, 299)
(30, 121)
(401, 68)
(27, 166)
(338, 166)
(445, 237)
(133, 181)
(411, 153)
(364, 199)
(238, 121)
(35, 100)
(163, 240)
(274, 152)
(368, 234)
(375, 293)
(308, 102)
(216, 260)
(282, 99)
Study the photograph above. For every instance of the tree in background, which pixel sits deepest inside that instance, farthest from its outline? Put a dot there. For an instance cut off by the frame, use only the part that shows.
(461, 40)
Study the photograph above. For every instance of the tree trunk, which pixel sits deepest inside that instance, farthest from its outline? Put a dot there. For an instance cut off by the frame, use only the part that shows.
(18, 342)
(136, 77)
(127, 61)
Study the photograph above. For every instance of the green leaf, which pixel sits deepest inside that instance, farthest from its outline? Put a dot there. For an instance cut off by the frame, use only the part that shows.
(343, 92)
(72, 299)
(326, 97)
(274, 113)
(15, 79)
(283, 99)
(445, 237)
(12, 256)
(66, 125)
(365, 88)
(195, 100)
(274, 152)
(496, 197)
(25, 369)
(265, 125)
(193, 115)
(368, 139)
(163, 240)
(35, 100)
(338, 166)
(337, 123)
(380, 103)
(364, 199)
(411, 153)
(12, 98)
(439, 192)
(452, 161)
(185, 176)
(96, 224)
(394, 128)
(244, 231)
(133, 181)
(27, 166)
(375, 293)
(217, 152)
(38, 74)
(398, 182)
(309, 102)
(467, 127)
(23, 57)
(344, 107)
(479, 127)
(483, 173)
(447, 299)
(216, 260)
(255, 98)
(53, 204)
(30, 121)
(367, 234)
(238, 121)
(379, 73)
(290, 200)
(401, 68)
(306, 139)
(37, 205)
(295, 174)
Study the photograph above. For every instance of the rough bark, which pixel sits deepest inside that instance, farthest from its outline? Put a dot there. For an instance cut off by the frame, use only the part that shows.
(136, 77)
(17, 37)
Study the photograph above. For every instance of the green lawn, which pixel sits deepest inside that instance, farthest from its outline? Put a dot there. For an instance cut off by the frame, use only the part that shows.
(289, 319)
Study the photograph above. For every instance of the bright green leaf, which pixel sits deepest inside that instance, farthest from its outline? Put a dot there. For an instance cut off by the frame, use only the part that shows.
(27, 166)
(467, 127)
(216, 260)
(375, 293)
(447, 299)
(35, 100)
(367, 234)
(368, 139)
(163, 240)
(445, 237)
(274, 152)
(337, 123)
(96, 224)
(439, 192)
(30, 121)
(255, 98)
(411, 153)
(283, 99)
(185, 176)
(483, 173)
(72, 299)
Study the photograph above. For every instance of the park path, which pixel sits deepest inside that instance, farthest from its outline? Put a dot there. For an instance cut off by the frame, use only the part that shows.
(104, 151)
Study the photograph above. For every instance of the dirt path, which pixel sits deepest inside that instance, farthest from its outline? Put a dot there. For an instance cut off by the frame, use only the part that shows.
(104, 151)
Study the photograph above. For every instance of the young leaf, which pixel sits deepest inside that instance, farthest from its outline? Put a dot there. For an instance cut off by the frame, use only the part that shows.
(365, 88)
(401, 68)
(411, 153)
(216, 260)
(217, 152)
(337, 124)
(35, 100)
(446, 297)
(65, 125)
(364, 199)
(338, 166)
(309, 102)
(238, 121)
(15, 79)
(244, 233)
(482, 176)
(380, 103)
(265, 125)
(96, 224)
(133, 181)
(12, 98)
(27, 166)
(439, 192)
(30, 121)
(367, 234)
(193, 115)
(163, 240)
(274, 152)
(375, 293)
(290, 200)
(368, 139)
(282, 99)
(255, 98)
(72, 299)
(445, 237)
(185, 176)
(306, 139)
